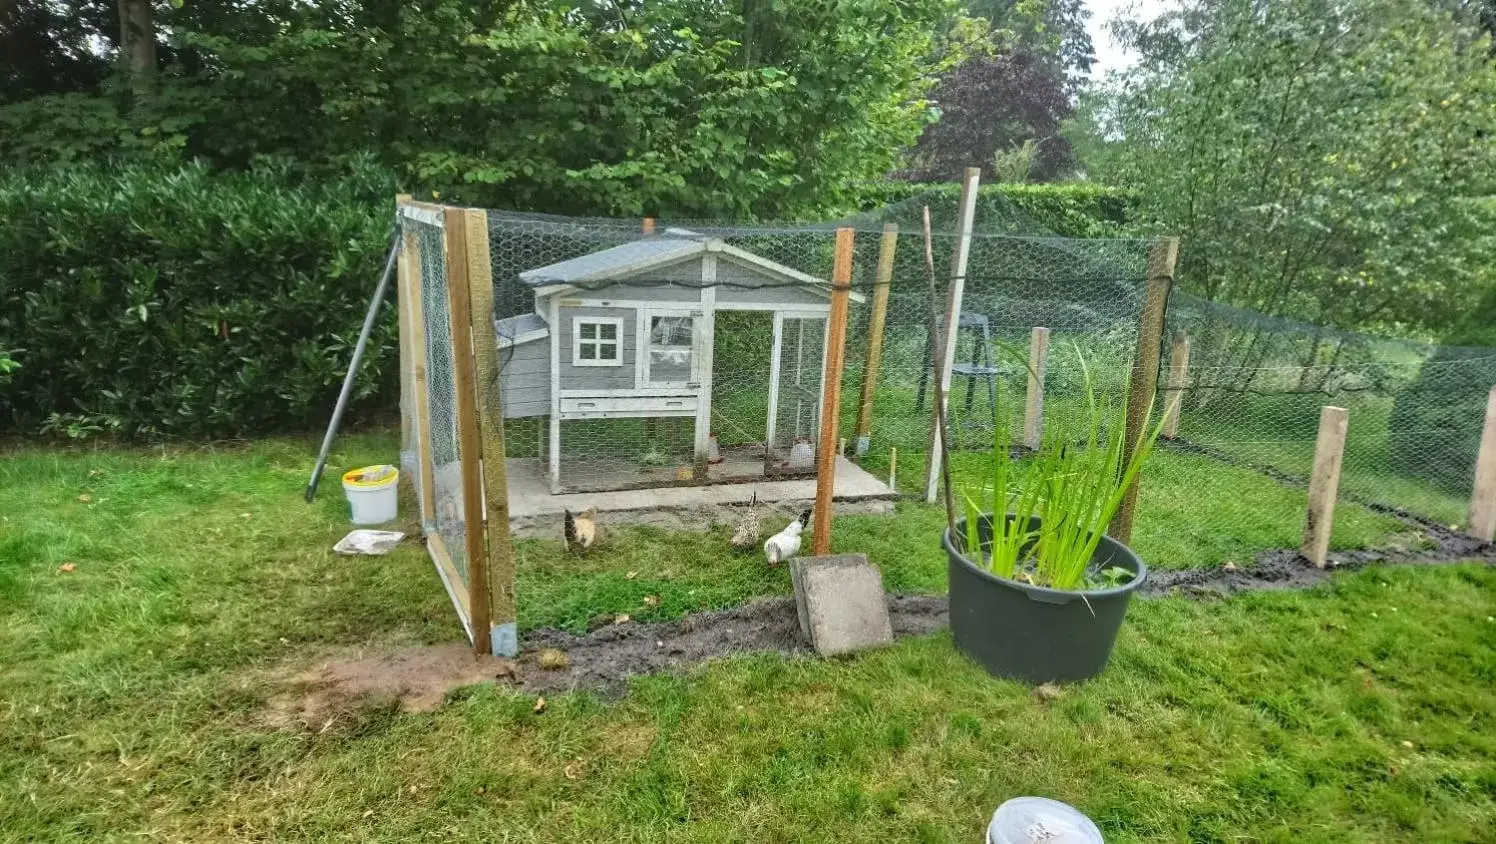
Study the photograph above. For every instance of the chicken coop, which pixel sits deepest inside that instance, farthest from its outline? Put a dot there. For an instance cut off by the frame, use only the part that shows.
(673, 374)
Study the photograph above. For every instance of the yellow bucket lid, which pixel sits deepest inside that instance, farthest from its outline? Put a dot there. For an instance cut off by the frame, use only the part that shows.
(372, 476)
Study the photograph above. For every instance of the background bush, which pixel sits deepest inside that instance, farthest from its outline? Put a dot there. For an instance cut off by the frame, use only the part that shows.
(1071, 209)
(178, 301)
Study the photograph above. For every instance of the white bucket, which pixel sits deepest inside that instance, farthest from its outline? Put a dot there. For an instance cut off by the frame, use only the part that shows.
(1030, 820)
(373, 494)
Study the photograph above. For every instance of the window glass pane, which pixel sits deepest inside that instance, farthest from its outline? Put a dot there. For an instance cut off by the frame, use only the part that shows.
(670, 352)
(607, 351)
(588, 351)
(589, 330)
(607, 331)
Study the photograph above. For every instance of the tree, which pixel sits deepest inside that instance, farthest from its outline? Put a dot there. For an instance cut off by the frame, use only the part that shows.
(992, 107)
(685, 108)
(1325, 160)
(137, 42)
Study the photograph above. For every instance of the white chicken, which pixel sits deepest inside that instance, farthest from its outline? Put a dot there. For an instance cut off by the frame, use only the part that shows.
(580, 530)
(745, 537)
(786, 543)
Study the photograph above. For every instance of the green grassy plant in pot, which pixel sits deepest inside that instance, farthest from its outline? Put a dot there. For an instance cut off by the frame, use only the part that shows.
(1037, 589)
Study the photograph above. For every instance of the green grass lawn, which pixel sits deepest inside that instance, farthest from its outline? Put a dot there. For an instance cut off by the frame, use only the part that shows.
(133, 690)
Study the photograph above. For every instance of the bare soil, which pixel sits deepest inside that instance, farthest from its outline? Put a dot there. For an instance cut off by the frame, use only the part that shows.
(418, 678)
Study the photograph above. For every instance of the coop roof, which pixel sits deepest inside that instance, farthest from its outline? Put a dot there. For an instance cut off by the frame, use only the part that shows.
(637, 258)
(515, 330)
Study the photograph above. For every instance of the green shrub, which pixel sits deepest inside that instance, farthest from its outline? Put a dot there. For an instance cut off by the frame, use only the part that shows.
(1436, 421)
(152, 301)
(1070, 209)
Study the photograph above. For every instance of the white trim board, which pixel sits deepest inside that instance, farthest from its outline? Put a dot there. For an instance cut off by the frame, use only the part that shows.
(577, 340)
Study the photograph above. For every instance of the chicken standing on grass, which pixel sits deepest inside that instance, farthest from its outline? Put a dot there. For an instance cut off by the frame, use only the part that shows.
(786, 543)
(580, 530)
(748, 530)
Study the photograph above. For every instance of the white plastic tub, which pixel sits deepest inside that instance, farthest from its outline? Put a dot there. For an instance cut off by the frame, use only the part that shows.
(373, 494)
(1036, 820)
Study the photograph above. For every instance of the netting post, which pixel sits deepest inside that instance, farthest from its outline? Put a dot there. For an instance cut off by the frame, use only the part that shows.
(1161, 258)
(407, 355)
(1324, 484)
(469, 444)
(1033, 412)
(960, 255)
(876, 319)
(503, 619)
(1483, 496)
(1179, 378)
(412, 293)
(836, 342)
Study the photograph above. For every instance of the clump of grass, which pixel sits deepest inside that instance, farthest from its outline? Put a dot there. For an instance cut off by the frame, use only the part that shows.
(1048, 517)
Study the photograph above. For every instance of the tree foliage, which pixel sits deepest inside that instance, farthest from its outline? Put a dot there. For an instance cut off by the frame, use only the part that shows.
(1325, 160)
(687, 108)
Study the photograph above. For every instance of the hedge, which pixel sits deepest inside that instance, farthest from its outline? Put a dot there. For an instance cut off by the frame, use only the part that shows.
(150, 301)
(179, 301)
(1067, 209)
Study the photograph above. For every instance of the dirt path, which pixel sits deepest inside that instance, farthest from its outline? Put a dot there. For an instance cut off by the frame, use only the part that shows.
(419, 678)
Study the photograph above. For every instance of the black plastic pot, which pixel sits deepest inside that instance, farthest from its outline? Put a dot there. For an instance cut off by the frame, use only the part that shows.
(1029, 632)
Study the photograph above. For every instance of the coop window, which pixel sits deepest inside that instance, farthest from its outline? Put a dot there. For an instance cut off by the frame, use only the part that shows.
(597, 341)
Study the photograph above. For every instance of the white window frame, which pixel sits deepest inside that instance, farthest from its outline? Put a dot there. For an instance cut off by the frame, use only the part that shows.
(646, 320)
(577, 341)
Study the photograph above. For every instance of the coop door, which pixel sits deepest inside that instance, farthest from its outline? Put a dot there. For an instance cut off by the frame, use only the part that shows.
(795, 382)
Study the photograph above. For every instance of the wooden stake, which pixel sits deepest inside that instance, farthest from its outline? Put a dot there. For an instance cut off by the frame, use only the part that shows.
(876, 319)
(960, 255)
(942, 453)
(1179, 377)
(469, 442)
(1324, 484)
(836, 341)
(1144, 384)
(1033, 414)
(407, 354)
(649, 225)
(503, 618)
(893, 468)
(1483, 497)
(415, 291)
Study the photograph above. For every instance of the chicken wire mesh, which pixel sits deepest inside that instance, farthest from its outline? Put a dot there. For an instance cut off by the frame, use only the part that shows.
(442, 502)
(1256, 384)
(615, 326)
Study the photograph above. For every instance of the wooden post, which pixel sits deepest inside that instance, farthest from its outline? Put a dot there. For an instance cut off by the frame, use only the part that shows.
(1144, 383)
(469, 442)
(1179, 378)
(407, 354)
(414, 301)
(1033, 414)
(1483, 497)
(960, 255)
(1324, 484)
(836, 341)
(503, 618)
(875, 322)
(649, 225)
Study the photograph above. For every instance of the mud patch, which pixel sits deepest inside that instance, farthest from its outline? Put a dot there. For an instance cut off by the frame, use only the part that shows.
(418, 679)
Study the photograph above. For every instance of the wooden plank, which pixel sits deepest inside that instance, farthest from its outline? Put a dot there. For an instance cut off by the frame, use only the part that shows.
(1179, 376)
(1144, 384)
(553, 444)
(451, 578)
(1033, 413)
(960, 256)
(502, 610)
(407, 355)
(707, 334)
(831, 377)
(1324, 484)
(416, 300)
(1483, 497)
(469, 442)
(876, 321)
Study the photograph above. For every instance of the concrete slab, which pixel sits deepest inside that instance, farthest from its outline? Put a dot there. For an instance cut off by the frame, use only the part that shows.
(534, 511)
(840, 603)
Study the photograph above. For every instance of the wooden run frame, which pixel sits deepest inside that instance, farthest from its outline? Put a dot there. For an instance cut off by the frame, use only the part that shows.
(485, 599)
(836, 341)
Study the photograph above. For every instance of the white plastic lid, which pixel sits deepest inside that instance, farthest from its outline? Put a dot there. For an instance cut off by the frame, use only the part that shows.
(1036, 820)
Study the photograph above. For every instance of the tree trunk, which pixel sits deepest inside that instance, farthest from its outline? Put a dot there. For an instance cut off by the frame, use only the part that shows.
(137, 44)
